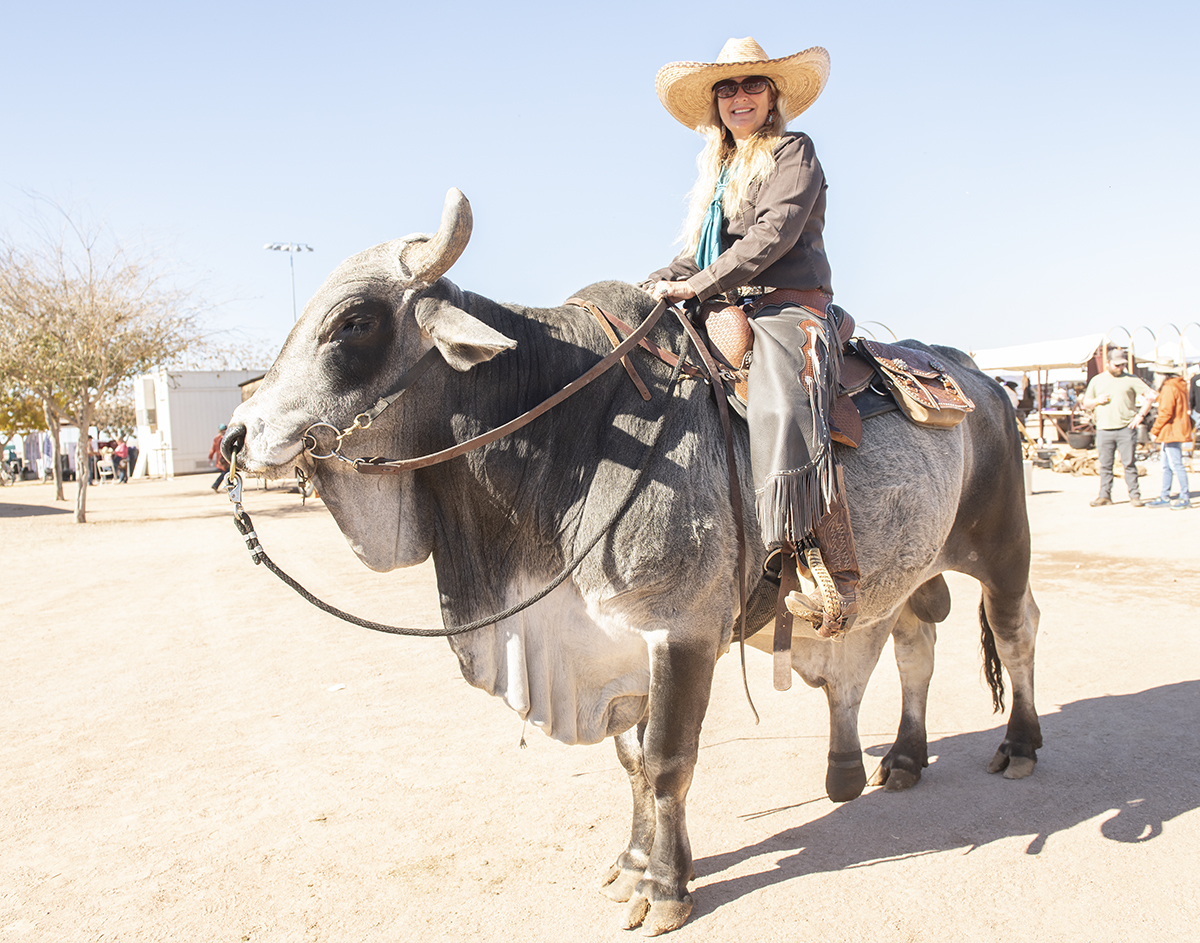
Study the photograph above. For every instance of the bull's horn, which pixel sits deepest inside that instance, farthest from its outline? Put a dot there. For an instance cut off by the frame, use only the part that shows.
(430, 260)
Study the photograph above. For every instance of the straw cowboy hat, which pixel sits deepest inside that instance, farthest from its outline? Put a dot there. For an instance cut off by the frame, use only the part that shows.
(685, 88)
(1168, 368)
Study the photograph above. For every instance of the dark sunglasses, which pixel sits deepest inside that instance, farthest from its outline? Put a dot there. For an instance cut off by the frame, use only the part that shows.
(754, 85)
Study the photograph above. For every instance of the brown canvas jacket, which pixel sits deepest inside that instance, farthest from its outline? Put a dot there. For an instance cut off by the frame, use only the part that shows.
(1174, 422)
(776, 240)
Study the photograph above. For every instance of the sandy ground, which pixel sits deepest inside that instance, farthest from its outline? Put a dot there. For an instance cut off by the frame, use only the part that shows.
(193, 753)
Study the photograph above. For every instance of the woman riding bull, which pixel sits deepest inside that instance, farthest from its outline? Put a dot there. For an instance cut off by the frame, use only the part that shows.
(754, 247)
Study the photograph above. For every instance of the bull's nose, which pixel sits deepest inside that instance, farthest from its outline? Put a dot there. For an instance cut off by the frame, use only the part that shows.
(233, 440)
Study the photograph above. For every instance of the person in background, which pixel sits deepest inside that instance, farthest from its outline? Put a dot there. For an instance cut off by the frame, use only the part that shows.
(120, 459)
(215, 456)
(1172, 428)
(1024, 400)
(131, 456)
(1113, 395)
(1010, 389)
(93, 456)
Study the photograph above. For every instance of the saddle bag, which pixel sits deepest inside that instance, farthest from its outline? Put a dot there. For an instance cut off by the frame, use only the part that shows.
(918, 381)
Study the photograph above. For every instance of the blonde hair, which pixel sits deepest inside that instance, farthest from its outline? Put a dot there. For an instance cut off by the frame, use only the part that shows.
(753, 163)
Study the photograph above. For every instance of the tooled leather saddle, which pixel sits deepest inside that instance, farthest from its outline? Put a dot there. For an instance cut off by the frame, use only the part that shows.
(875, 378)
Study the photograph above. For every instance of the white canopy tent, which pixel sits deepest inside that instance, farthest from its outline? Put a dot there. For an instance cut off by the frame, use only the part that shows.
(1073, 352)
(1067, 359)
(1051, 360)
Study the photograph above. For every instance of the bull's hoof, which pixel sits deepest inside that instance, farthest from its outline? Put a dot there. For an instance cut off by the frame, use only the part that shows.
(894, 780)
(901, 779)
(1019, 767)
(846, 777)
(897, 772)
(619, 884)
(1013, 767)
(662, 916)
(636, 914)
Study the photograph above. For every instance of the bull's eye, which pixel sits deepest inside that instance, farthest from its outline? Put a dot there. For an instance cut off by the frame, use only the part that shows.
(359, 322)
(355, 326)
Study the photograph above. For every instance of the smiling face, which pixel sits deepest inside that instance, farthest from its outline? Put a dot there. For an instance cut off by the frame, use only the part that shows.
(744, 114)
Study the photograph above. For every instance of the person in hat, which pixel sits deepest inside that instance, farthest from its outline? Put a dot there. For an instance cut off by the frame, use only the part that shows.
(754, 246)
(216, 458)
(1113, 396)
(1172, 427)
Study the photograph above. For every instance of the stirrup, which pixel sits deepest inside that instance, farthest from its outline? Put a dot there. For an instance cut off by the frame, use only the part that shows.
(826, 617)
(803, 606)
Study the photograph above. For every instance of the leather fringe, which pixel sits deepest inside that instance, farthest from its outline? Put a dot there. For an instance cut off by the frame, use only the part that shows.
(791, 502)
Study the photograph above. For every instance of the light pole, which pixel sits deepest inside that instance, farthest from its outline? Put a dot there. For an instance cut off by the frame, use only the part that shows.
(291, 248)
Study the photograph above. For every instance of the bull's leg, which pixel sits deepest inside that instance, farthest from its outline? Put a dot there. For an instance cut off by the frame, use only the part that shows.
(680, 684)
(991, 543)
(1012, 620)
(631, 864)
(842, 668)
(914, 641)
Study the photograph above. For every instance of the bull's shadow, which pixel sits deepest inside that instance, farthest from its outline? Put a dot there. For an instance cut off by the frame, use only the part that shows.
(1136, 756)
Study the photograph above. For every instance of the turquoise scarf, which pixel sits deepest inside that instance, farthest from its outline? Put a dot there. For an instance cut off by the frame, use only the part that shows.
(710, 230)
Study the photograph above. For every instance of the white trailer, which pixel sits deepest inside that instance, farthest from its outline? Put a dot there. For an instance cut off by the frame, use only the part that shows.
(178, 412)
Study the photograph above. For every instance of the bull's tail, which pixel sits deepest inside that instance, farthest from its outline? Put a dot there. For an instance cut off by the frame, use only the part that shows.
(993, 669)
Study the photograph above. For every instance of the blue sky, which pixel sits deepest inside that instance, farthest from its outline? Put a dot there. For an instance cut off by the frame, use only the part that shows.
(998, 172)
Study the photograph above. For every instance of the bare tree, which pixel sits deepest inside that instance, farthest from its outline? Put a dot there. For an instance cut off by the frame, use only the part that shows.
(18, 350)
(116, 414)
(229, 350)
(79, 315)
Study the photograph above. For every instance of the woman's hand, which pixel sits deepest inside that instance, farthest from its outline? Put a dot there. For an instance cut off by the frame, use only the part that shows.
(672, 291)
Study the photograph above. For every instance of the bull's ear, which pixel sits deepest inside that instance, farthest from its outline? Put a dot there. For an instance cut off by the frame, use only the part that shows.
(463, 340)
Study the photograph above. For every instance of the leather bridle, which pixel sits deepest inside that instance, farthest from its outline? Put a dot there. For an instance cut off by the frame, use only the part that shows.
(390, 466)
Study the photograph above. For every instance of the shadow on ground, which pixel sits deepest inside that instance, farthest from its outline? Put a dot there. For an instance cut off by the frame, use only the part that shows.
(1133, 757)
(31, 510)
(219, 508)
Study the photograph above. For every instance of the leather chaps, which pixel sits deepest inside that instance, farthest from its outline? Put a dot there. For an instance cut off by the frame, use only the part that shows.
(799, 494)
(792, 385)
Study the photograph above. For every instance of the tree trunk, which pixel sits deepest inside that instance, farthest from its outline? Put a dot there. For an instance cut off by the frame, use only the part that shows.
(55, 429)
(4, 446)
(82, 468)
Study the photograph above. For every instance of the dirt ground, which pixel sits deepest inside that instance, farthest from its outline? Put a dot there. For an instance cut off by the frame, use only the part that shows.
(193, 753)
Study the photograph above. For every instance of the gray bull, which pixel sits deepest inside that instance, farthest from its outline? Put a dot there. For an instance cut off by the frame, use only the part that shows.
(625, 648)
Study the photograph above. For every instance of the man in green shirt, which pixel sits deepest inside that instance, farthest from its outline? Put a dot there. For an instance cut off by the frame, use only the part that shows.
(1113, 395)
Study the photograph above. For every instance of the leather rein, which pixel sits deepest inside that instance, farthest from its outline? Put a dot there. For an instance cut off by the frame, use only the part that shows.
(381, 466)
